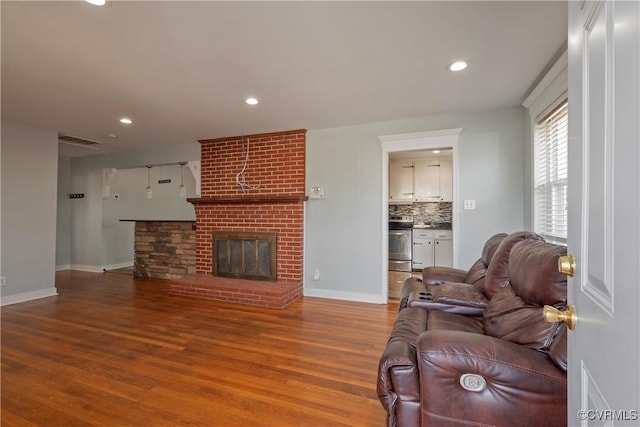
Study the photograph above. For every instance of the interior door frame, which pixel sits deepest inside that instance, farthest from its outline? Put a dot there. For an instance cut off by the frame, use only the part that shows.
(411, 142)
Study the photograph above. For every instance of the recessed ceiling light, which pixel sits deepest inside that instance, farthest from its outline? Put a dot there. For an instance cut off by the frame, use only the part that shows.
(112, 135)
(251, 101)
(436, 151)
(97, 2)
(457, 66)
(126, 120)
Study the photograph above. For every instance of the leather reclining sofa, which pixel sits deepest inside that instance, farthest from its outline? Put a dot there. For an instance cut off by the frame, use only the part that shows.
(472, 348)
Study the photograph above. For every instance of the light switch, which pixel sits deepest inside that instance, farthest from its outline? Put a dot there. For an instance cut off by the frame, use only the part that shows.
(469, 205)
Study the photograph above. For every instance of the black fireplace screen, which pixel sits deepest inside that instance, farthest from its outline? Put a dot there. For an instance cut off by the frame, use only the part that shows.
(245, 255)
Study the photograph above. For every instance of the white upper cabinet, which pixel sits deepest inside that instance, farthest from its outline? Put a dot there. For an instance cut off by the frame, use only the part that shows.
(446, 179)
(401, 182)
(433, 180)
(427, 181)
(421, 180)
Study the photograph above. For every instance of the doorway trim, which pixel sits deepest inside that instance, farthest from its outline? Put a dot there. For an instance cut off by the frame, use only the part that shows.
(410, 142)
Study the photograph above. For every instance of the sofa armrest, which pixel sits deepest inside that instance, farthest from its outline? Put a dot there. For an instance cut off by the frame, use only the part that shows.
(457, 298)
(523, 386)
(438, 275)
(412, 284)
(398, 387)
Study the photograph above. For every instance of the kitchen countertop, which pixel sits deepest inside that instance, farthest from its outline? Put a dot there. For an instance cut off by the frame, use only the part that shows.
(435, 226)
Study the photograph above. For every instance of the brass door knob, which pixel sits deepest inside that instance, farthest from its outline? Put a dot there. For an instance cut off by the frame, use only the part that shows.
(552, 314)
(567, 265)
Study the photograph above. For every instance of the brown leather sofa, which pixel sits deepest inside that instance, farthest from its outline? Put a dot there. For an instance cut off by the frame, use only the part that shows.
(447, 366)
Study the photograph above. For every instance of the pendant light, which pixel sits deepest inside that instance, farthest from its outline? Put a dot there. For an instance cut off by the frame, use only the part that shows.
(148, 189)
(182, 189)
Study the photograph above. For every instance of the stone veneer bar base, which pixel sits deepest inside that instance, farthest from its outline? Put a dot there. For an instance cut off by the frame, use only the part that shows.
(249, 292)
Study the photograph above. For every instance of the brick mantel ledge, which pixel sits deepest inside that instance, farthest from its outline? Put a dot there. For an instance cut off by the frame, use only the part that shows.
(248, 200)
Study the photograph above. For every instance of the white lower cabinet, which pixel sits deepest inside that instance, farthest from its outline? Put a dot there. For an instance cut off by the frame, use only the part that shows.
(432, 247)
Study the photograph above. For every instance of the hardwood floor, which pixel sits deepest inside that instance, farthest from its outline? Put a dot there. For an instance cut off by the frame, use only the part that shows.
(112, 350)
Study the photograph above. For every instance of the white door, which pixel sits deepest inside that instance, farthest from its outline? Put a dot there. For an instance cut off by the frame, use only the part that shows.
(604, 212)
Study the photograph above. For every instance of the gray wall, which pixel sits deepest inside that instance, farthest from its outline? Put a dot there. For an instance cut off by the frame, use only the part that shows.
(132, 203)
(63, 240)
(28, 212)
(343, 233)
(98, 238)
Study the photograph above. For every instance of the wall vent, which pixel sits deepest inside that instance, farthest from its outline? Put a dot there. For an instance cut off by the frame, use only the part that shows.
(78, 142)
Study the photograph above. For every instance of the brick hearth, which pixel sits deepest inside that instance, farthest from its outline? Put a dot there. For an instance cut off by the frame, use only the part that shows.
(250, 292)
(274, 203)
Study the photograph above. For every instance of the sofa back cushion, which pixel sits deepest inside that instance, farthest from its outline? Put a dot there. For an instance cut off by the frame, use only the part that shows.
(478, 272)
(498, 272)
(515, 312)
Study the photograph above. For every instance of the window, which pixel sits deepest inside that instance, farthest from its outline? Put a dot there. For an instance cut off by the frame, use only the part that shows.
(550, 175)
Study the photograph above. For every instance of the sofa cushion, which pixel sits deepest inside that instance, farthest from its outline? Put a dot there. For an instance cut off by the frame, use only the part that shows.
(498, 272)
(478, 271)
(443, 321)
(558, 349)
(508, 317)
(534, 275)
(515, 312)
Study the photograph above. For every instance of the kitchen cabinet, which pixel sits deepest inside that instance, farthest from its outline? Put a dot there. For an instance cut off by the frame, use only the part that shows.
(433, 180)
(446, 179)
(432, 247)
(401, 182)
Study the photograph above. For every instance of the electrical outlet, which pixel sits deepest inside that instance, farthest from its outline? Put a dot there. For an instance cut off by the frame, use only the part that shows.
(316, 274)
(469, 205)
(3, 281)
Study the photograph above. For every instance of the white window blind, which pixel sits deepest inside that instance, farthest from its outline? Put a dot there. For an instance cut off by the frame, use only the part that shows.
(550, 175)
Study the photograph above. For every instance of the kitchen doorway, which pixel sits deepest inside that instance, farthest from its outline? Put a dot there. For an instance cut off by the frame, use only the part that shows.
(398, 145)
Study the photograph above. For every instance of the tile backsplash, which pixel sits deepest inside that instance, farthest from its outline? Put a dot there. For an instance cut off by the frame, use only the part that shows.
(426, 212)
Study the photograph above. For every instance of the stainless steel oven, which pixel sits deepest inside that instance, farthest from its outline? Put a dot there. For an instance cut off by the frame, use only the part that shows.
(400, 244)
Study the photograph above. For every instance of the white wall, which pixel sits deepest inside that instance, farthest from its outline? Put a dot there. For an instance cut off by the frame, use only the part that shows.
(98, 238)
(29, 197)
(343, 231)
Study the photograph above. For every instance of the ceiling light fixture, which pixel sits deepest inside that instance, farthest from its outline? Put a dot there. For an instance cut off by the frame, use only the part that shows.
(112, 135)
(457, 66)
(251, 101)
(126, 121)
(148, 189)
(436, 151)
(182, 189)
(97, 2)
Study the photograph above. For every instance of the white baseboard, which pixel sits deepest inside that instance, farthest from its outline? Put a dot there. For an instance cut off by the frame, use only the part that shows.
(94, 268)
(120, 265)
(28, 296)
(346, 296)
(87, 268)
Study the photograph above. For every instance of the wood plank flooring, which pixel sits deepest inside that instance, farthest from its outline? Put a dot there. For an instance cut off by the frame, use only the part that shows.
(112, 350)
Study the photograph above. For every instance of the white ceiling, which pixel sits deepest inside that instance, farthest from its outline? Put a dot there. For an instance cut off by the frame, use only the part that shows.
(181, 70)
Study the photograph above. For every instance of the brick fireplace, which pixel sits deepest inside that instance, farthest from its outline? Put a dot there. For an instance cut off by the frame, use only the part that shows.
(272, 201)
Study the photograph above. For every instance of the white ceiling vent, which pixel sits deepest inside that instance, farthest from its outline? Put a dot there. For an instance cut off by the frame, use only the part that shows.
(78, 142)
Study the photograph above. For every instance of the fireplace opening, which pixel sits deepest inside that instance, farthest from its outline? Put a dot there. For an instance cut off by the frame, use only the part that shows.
(244, 255)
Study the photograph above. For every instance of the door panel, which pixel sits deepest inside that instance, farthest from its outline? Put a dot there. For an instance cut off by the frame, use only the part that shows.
(604, 212)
